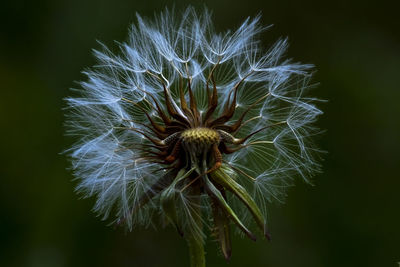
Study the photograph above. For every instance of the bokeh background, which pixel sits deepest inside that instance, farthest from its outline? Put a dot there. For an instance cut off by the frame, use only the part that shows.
(349, 218)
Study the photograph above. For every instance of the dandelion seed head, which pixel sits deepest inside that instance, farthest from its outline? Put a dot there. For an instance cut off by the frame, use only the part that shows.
(182, 113)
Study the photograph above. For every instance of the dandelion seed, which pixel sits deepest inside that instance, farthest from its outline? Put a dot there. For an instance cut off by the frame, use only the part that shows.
(205, 127)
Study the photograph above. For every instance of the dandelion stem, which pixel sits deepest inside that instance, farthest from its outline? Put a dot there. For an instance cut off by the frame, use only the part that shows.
(196, 251)
(194, 239)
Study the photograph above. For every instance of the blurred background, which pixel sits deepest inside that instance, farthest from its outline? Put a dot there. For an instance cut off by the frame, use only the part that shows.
(349, 218)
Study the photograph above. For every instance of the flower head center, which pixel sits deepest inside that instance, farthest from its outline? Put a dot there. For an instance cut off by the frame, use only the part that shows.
(200, 136)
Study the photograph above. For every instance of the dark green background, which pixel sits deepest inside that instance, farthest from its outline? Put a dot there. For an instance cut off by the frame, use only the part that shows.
(350, 218)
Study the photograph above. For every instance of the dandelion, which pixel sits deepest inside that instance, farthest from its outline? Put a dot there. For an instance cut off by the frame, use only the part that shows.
(192, 128)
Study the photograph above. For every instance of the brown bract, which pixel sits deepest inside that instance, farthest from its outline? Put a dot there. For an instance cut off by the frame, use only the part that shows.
(181, 135)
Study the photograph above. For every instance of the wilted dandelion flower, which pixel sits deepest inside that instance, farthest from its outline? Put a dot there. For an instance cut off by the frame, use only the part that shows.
(191, 127)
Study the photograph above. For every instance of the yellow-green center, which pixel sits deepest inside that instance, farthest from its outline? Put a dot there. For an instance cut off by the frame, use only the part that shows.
(201, 135)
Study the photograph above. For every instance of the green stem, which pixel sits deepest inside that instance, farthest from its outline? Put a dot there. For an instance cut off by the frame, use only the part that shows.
(194, 236)
(196, 250)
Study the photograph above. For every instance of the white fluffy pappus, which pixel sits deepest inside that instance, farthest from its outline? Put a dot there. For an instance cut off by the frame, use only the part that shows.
(167, 51)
